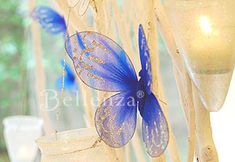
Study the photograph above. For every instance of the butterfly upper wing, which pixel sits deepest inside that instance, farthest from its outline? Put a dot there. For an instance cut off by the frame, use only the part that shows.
(146, 72)
(68, 45)
(115, 119)
(154, 127)
(49, 20)
(101, 63)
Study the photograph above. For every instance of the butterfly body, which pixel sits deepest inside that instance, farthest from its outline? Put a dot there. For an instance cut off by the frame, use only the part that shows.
(103, 65)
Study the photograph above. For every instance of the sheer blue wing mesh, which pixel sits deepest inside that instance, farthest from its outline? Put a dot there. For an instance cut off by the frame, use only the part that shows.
(49, 20)
(115, 119)
(154, 127)
(68, 84)
(69, 72)
(146, 72)
(101, 63)
(68, 45)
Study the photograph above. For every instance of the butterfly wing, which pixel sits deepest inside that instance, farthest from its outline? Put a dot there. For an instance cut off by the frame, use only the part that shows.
(154, 127)
(68, 84)
(68, 45)
(146, 72)
(115, 119)
(69, 71)
(49, 20)
(101, 63)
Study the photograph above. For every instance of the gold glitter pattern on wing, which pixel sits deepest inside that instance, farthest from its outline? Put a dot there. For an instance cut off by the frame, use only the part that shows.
(112, 133)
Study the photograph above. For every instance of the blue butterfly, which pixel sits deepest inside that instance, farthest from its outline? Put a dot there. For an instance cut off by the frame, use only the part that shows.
(69, 79)
(49, 20)
(103, 65)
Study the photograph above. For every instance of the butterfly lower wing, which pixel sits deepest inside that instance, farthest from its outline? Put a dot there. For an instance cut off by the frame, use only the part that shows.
(115, 119)
(49, 20)
(154, 127)
(67, 85)
(146, 71)
(68, 71)
(69, 80)
(101, 63)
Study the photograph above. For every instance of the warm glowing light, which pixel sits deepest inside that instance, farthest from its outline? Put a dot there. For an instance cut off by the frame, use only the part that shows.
(205, 35)
(205, 24)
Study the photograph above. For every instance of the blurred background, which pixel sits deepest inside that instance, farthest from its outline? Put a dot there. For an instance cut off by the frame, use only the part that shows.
(17, 65)
(17, 81)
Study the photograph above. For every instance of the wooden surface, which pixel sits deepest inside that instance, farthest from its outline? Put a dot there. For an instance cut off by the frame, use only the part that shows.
(196, 115)
(39, 73)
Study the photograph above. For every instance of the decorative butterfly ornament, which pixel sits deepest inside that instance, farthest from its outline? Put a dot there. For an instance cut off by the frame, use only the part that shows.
(103, 65)
(49, 20)
(53, 23)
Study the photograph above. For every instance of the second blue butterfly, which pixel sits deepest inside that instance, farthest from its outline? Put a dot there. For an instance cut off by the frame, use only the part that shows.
(103, 65)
